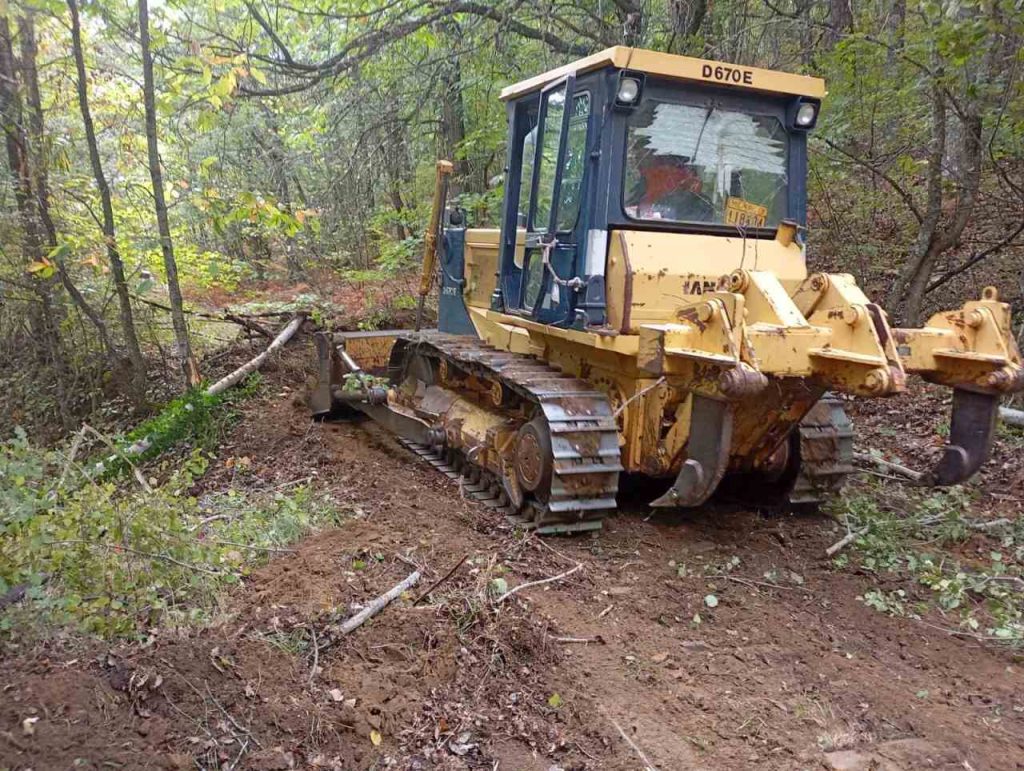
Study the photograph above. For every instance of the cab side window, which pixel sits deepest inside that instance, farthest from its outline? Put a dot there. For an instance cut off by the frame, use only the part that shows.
(575, 163)
(551, 138)
(572, 168)
(529, 150)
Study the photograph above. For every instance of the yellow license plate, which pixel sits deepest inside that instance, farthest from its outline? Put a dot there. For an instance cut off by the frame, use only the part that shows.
(744, 214)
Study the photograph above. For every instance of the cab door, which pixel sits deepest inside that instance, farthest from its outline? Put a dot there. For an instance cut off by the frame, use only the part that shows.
(549, 278)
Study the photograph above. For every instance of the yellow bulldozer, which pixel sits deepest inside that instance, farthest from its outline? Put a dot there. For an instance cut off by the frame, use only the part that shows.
(645, 307)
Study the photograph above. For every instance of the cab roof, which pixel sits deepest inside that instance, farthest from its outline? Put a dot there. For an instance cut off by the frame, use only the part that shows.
(679, 67)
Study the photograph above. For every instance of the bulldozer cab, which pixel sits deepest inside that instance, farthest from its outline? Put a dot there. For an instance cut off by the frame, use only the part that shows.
(631, 140)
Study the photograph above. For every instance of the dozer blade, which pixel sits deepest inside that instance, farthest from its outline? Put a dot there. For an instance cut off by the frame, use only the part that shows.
(707, 454)
(972, 428)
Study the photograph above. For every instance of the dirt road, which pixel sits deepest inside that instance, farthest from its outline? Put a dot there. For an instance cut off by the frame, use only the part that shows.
(720, 640)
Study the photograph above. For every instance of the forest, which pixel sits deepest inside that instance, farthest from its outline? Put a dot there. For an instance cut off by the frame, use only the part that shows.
(198, 150)
(183, 180)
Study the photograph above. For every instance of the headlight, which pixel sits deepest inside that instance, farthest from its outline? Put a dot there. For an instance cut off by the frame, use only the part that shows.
(629, 91)
(806, 114)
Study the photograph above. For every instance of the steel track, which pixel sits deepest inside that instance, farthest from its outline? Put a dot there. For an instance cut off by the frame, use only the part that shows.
(584, 438)
(826, 453)
(584, 433)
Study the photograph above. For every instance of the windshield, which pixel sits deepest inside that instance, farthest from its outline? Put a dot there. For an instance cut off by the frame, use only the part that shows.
(704, 164)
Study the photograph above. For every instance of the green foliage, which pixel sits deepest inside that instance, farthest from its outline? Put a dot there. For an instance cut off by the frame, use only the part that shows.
(105, 559)
(24, 472)
(1012, 435)
(892, 603)
(320, 310)
(112, 560)
(195, 417)
(404, 302)
(357, 276)
(361, 381)
(206, 268)
(483, 209)
(918, 536)
(401, 255)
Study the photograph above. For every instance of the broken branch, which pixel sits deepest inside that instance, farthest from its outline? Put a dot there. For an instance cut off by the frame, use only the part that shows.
(440, 581)
(896, 468)
(569, 640)
(543, 581)
(234, 318)
(648, 766)
(845, 541)
(379, 604)
(245, 323)
(246, 369)
(989, 524)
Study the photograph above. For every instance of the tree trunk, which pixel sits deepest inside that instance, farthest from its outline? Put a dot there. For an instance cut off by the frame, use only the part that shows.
(453, 115)
(15, 141)
(947, 238)
(631, 21)
(687, 18)
(395, 192)
(44, 326)
(138, 362)
(278, 154)
(896, 23)
(188, 363)
(933, 210)
(35, 145)
(840, 18)
(36, 134)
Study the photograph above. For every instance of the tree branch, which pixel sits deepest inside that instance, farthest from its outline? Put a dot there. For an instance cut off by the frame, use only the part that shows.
(975, 258)
(390, 31)
(908, 199)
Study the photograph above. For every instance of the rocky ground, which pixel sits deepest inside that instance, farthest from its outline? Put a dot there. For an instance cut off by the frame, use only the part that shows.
(717, 639)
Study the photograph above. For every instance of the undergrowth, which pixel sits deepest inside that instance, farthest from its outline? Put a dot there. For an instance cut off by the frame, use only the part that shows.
(970, 572)
(195, 417)
(88, 547)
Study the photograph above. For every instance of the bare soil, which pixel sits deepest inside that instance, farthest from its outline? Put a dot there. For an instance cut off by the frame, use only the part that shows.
(792, 672)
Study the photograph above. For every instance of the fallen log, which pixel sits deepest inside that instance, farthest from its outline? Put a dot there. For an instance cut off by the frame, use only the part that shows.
(250, 324)
(1012, 417)
(989, 524)
(242, 319)
(239, 374)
